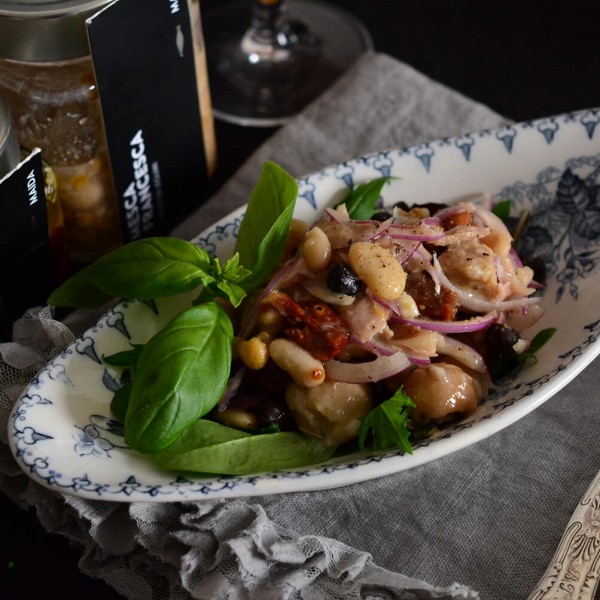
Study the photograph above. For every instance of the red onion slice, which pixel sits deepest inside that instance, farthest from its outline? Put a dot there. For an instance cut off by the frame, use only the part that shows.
(465, 326)
(488, 219)
(365, 372)
(469, 301)
(420, 232)
(338, 216)
(375, 346)
(462, 353)
(293, 268)
(342, 234)
(515, 258)
(233, 385)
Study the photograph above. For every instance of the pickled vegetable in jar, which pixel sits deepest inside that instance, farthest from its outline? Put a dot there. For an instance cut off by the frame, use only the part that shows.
(47, 75)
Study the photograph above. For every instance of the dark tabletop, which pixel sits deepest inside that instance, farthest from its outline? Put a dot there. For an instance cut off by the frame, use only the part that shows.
(524, 59)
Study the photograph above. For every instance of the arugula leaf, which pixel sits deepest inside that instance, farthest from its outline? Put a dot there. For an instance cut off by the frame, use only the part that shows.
(540, 340)
(510, 361)
(388, 424)
(361, 201)
(210, 447)
(502, 209)
(144, 269)
(180, 376)
(263, 230)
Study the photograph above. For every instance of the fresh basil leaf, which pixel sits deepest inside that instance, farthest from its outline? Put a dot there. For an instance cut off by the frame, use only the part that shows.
(180, 376)
(269, 251)
(209, 447)
(126, 358)
(148, 268)
(120, 402)
(263, 230)
(361, 201)
(502, 210)
(221, 282)
(387, 424)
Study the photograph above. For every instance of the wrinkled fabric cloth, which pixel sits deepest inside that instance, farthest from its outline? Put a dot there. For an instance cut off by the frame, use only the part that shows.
(488, 516)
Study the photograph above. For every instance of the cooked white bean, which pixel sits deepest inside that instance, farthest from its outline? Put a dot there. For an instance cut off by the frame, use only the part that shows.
(378, 268)
(316, 249)
(254, 353)
(296, 232)
(240, 419)
(269, 319)
(407, 306)
(304, 368)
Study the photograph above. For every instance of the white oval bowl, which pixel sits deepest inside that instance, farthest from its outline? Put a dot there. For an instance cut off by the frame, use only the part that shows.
(63, 435)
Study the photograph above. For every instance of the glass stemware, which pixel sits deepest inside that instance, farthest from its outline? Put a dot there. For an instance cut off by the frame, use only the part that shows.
(267, 59)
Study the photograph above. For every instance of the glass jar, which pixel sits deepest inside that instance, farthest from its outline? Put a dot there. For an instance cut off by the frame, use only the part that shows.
(47, 75)
(10, 155)
(9, 145)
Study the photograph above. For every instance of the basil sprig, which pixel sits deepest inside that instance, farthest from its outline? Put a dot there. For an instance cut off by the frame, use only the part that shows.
(265, 225)
(154, 267)
(180, 376)
(181, 373)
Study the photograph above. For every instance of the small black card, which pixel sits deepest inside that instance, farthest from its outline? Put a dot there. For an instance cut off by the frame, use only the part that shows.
(27, 268)
(144, 56)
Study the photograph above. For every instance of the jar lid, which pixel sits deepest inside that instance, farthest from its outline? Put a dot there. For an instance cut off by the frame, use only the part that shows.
(9, 145)
(45, 30)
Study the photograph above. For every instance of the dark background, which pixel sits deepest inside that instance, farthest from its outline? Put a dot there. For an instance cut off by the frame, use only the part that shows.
(524, 59)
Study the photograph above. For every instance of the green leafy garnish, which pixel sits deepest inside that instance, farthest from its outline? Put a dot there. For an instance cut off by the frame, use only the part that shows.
(387, 424)
(361, 201)
(263, 231)
(180, 376)
(223, 282)
(210, 447)
(181, 373)
(144, 269)
(125, 358)
(120, 402)
(510, 361)
(502, 209)
(539, 341)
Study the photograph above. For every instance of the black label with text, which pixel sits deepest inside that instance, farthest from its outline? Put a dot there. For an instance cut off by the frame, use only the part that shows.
(143, 54)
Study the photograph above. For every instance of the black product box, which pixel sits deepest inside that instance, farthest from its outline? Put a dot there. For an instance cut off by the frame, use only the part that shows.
(28, 267)
(150, 70)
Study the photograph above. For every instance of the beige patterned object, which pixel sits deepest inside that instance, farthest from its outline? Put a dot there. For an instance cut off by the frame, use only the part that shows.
(574, 571)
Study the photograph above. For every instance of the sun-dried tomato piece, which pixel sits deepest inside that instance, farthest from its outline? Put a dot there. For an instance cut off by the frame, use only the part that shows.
(461, 217)
(313, 326)
(421, 287)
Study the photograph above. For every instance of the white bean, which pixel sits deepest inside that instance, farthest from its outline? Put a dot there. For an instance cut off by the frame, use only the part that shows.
(316, 249)
(378, 268)
(296, 232)
(254, 353)
(304, 368)
(240, 419)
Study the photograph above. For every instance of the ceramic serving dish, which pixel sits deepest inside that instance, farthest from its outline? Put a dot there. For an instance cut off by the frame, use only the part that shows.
(61, 430)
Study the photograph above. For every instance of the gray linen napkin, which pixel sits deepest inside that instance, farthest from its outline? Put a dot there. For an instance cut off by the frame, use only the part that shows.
(466, 517)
